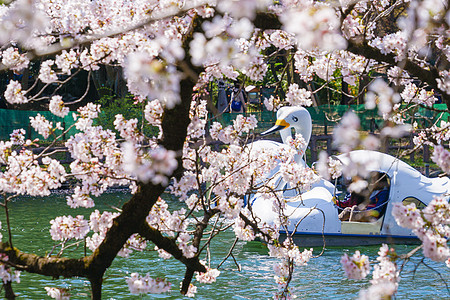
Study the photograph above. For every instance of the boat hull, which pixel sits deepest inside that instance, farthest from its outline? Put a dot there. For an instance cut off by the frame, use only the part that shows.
(345, 240)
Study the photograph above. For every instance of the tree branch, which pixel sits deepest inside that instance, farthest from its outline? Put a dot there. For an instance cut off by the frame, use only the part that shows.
(134, 212)
(168, 244)
(265, 21)
(429, 76)
(49, 266)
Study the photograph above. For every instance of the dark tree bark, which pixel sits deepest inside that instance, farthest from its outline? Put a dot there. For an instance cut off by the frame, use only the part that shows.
(134, 212)
(9, 293)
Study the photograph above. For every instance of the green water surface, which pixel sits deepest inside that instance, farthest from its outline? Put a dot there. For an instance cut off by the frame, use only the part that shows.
(322, 278)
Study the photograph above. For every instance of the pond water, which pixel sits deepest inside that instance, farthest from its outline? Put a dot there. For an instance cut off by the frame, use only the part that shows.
(322, 278)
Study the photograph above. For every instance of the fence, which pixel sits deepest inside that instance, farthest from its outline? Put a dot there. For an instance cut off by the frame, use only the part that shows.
(324, 119)
(16, 119)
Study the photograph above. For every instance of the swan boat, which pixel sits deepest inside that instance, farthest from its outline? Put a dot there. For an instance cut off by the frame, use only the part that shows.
(314, 215)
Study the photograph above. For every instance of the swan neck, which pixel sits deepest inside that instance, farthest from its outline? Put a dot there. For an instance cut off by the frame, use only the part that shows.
(306, 134)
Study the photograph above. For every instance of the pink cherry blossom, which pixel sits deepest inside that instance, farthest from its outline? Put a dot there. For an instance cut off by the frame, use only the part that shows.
(323, 44)
(380, 291)
(46, 73)
(191, 291)
(8, 275)
(407, 216)
(209, 276)
(57, 107)
(441, 157)
(243, 231)
(14, 93)
(346, 135)
(357, 266)
(17, 137)
(68, 227)
(145, 284)
(58, 293)
(13, 60)
(298, 96)
(183, 243)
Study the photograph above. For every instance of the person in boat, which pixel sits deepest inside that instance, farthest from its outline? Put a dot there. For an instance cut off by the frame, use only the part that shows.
(354, 198)
(367, 205)
(379, 195)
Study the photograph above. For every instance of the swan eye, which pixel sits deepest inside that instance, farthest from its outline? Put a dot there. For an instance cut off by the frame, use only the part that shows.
(295, 119)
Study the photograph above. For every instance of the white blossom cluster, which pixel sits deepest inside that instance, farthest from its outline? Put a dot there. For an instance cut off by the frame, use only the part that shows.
(382, 96)
(346, 134)
(385, 277)
(85, 116)
(153, 78)
(17, 137)
(431, 225)
(167, 222)
(23, 174)
(6, 273)
(100, 223)
(14, 93)
(134, 243)
(188, 249)
(441, 157)
(298, 97)
(153, 112)
(314, 30)
(243, 231)
(298, 175)
(58, 293)
(231, 133)
(327, 167)
(128, 129)
(46, 73)
(438, 133)
(209, 276)
(57, 107)
(145, 284)
(357, 266)
(13, 60)
(289, 255)
(411, 93)
(154, 165)
(97, 160)
(67, 227)
(43, 126)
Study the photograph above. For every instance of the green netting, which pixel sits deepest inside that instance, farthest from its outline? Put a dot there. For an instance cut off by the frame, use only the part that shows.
(325, 117)
(266, 119)
(16, 119)
(329, 115)
(430, 117)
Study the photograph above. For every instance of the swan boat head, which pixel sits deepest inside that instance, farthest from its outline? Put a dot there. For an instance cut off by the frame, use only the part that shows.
(289, 119)
(292, 117)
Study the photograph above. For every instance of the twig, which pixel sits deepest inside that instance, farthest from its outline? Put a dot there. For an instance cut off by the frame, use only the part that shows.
(230, 253)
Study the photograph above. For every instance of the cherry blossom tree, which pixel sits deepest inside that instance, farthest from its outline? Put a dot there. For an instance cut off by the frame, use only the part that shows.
(394, 53)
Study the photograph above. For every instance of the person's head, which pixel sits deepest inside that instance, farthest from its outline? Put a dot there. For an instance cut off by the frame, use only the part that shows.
(358, 198)
(378, 180)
